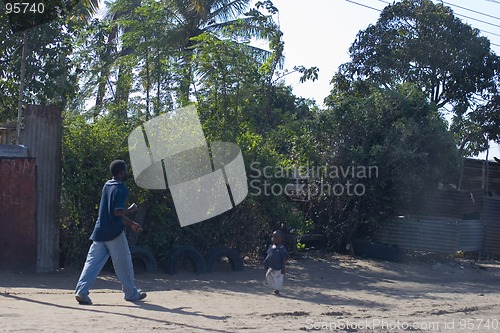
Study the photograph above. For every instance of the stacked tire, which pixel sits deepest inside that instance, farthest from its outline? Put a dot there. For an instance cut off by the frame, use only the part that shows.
(176, 259)
(143, 260)
(215, 255)
(180, 254)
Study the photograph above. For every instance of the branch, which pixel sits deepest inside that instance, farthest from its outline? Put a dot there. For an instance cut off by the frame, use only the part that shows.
(307, 74)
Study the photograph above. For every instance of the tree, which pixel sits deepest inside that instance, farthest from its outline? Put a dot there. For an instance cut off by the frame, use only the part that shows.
(149, 47)
(398, 146)
(193, 18)
(422, 42)
(49, 75)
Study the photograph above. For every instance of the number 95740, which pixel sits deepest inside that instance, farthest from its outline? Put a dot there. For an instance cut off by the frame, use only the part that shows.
(24, 7)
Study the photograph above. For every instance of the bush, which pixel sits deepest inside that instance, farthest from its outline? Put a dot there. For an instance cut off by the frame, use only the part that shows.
(88, 148)
(87, 151)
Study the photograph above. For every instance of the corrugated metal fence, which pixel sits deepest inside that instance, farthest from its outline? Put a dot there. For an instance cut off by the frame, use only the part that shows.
(436, 235)
(42, 136)
(491, 217)
(443, 204)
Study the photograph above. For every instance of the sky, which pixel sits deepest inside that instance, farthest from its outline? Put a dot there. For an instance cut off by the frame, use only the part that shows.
(320, 32)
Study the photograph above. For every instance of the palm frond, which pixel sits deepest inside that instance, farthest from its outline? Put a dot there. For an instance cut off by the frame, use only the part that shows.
(200, 7)
(83, 10)
(224, 10)
(260, 55)
(247, 27)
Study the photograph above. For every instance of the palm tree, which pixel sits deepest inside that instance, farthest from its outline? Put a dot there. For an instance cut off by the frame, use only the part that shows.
(195, 17)
(109, 55)
(186, 19)
(84, 9)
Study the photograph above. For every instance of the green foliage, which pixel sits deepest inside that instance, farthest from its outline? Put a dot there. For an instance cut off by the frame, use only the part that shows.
(49, 77)
(419, 41)
(399, 133)
(300, 246)
(424, 43)
(243, 228)
(143, 59)
(88, 149)
(307, 73)
(237, 102)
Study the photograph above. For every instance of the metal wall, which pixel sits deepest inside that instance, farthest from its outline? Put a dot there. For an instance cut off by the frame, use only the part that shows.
(471, 235)
(491, 218)
(477, 174)
(443, 204)
(18, 243)
(439, 236)
(42, 135)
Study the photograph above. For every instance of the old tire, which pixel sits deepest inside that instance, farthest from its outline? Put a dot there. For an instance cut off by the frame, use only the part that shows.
(378, 251)
(180, 253)
(214, 255)
(143, 260)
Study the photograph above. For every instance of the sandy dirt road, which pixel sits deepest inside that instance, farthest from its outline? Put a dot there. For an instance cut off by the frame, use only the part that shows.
(330, 293)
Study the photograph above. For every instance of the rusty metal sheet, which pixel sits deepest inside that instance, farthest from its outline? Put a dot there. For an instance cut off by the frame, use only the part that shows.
(18, 243)
(474, 175)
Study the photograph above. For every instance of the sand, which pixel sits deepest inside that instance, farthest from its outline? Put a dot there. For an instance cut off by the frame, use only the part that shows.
(322, 293)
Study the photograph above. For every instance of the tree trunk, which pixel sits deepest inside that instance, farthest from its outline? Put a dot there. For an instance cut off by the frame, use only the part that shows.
(158, 88)
(183, 97)
(21, 88)
(487, 167)
(123, 87)
(148, 85)
(124, 83)
(106, 61)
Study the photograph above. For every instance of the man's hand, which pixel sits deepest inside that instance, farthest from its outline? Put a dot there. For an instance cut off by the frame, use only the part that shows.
(136, 227)
(133, 208)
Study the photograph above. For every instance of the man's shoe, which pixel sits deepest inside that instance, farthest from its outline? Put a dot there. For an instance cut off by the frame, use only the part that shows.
(142, 295)
(83, 300)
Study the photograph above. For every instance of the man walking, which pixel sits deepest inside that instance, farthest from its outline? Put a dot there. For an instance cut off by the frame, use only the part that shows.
(109, 239)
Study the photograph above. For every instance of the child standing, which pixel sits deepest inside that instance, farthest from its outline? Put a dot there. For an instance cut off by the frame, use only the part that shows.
(275, 262)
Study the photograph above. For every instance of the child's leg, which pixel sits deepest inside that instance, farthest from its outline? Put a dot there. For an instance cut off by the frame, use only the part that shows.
(278, 281)
(274, 279)
(269, 277)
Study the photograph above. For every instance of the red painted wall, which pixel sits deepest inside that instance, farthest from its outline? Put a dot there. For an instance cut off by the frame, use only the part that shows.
(18, 242)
